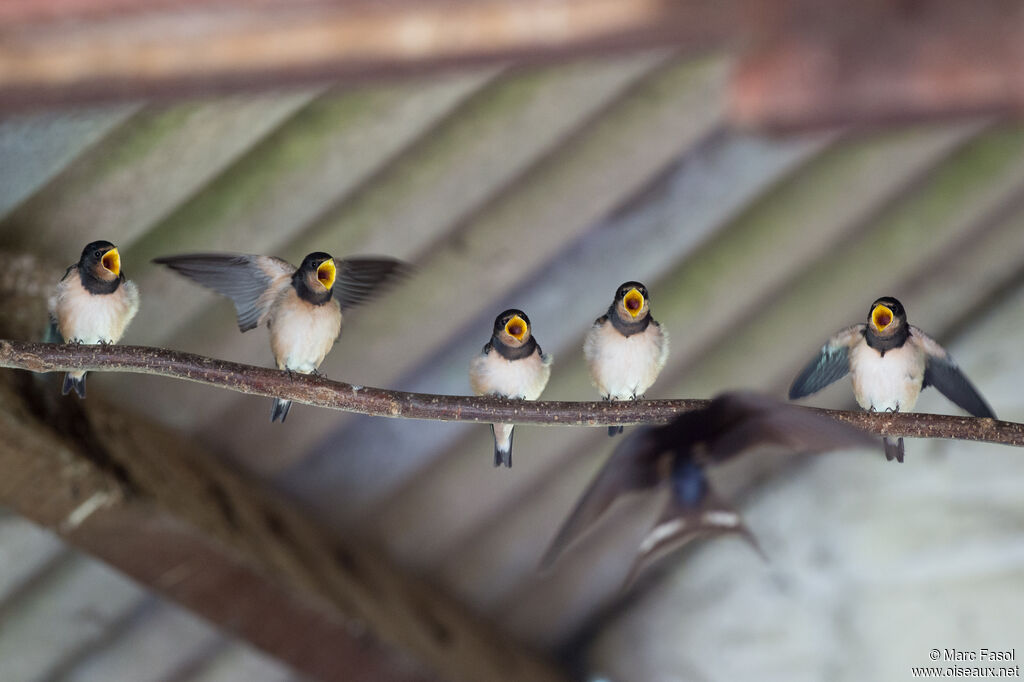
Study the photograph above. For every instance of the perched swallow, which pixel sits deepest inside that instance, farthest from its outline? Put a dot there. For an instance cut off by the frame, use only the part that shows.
(890, 362)
(626, 349)
(302, 307)
(677, 455)
(511, 365)
(94, 303)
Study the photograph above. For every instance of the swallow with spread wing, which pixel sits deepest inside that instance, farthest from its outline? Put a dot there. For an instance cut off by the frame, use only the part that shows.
(676, 455)
(93, 303)
(511, 365)
(626, 348)
(890, 362)
(302, 307)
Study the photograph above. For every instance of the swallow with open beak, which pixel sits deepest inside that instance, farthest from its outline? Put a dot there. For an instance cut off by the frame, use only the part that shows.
(626, 349)
(302, 307)
(890, 362)
(94, 303)
(511, 365)
(677, 455)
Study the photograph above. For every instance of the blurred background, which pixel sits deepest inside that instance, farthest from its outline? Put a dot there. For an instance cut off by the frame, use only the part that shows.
(765, 169)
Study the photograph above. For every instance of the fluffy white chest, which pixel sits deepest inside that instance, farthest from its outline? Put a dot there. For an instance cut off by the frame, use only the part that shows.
(491, 374)
(301, 334)
(625, 366)
(89, 318)
(889, 382)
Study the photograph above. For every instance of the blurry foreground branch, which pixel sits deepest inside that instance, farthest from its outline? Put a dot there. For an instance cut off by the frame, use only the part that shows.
(322, 392)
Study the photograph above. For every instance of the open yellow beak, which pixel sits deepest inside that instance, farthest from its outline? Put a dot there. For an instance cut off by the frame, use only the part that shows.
(112, 261)
(881, 317)
(633, 302)
(326, 273)
(516, 328)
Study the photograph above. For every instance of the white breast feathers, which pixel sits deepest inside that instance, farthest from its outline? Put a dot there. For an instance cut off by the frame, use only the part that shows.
(887, 382)
(301, 334)
(624, 367)
(491, 374)
(93, 318)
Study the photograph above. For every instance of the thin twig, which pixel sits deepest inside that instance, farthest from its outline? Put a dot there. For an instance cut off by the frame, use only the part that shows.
(337, 395)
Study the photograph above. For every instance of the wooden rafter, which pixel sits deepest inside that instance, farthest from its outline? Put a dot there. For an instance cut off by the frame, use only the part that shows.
(177, 518)
(803, 63)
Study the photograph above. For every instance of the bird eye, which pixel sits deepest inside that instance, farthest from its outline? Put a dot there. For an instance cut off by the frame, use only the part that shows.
(97, 253)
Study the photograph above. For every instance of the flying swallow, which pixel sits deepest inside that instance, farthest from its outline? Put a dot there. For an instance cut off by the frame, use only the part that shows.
(677, 455)
(626, 349)
(302, 307)
(94, 303)
(890, 362)
(511, 365)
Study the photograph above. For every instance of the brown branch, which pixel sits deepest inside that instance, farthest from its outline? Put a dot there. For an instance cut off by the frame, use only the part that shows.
(337, 395)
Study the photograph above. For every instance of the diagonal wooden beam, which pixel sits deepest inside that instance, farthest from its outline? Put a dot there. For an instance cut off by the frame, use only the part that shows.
(175, 517)
(818, 64)
(58, 51)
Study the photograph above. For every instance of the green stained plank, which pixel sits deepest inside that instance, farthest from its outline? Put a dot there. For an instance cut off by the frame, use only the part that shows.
(901, 240)
(145, 168)
(586, 178)
(36, 147)
(471, 155)
(911, 232)
(273, 191)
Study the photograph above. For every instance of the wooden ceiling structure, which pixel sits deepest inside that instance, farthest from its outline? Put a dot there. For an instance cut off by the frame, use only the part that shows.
(514, 152)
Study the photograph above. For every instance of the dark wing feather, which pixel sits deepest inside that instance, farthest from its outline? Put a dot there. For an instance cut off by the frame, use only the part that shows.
(943, 373)
(744, 421)
(245, 279)
(359, 279)
(631, 467)
(831, 365)
(679, 525)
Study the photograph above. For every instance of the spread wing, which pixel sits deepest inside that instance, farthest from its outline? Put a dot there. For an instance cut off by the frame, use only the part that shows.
(943, 373)
(831, 365)
(680, 524)
(743, 421)
(251, 282)
(359, 279)
(631, 467)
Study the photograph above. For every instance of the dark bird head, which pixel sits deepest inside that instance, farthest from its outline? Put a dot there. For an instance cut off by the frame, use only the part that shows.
(314, 278)
(512, 328)
(101, 260)
(632, 303)
(99, 267)
(887, 324)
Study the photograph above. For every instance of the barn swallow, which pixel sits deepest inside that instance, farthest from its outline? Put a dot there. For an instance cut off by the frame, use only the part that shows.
(626, 349)
(302, 307)
(890, 362)
(511, 365)
(94, 303)
(677, 455)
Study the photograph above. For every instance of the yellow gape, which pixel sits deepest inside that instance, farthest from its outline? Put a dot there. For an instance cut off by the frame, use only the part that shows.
(326, 273)
(881, 317)
(112, 261)
(633, 302)
(516, 328)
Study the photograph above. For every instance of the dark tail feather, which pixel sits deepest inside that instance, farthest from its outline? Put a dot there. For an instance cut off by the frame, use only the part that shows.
(52, 334)
(280, 410)
(502, 454)
(74, 384)
(614, 430)
(893, 450)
